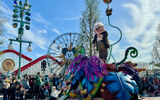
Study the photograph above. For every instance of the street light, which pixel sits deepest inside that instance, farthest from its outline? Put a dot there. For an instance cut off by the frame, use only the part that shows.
(20, 10)
(29, 48)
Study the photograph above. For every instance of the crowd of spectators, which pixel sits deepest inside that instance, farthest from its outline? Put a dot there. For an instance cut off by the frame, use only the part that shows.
(32, 87)
(151, 86)
(44, 87)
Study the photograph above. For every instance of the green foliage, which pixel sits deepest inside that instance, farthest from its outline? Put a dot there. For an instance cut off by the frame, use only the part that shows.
(89, 17)
(156, 47)
(158, 65)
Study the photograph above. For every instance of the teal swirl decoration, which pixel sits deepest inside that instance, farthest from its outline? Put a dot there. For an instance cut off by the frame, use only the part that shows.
(133, 53)
(118, 30)
(111, 46)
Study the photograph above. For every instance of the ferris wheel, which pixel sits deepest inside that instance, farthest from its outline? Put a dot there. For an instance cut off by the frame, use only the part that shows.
(65, 48)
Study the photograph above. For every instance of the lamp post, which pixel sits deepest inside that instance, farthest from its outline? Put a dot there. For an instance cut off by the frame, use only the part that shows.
(22, 10)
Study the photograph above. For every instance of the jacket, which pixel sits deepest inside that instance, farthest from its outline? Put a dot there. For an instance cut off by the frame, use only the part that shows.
(104, 39)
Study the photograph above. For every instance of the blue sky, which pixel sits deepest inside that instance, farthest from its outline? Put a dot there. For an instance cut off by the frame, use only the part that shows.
(137, 19)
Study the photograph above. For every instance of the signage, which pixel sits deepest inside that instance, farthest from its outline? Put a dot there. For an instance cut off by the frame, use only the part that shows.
(8, 64)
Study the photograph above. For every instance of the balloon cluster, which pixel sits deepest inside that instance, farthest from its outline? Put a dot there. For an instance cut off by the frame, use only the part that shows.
(107, 1)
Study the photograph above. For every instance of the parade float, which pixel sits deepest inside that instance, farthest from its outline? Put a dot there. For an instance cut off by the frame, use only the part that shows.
(90, 78)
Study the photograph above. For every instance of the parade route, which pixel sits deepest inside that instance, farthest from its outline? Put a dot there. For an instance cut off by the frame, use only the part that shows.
(152, 98)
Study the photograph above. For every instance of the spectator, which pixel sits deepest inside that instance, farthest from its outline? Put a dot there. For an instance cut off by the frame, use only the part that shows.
(22, 91)
(54, 94)
(32, 86)
(5, 87)
(44, 92)
(13, 91)
(38, 84)
(25, 83)
(55, 81)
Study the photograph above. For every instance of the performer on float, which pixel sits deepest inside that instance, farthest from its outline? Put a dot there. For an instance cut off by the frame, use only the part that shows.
(100, 41)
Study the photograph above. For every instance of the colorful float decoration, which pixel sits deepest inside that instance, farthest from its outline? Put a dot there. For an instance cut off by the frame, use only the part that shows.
(99, 80)
(90, 78)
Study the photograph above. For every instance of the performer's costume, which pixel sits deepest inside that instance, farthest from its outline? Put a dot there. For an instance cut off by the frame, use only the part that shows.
(102, 45)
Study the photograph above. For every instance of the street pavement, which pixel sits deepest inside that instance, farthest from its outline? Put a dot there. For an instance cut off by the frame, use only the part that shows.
(151, 98)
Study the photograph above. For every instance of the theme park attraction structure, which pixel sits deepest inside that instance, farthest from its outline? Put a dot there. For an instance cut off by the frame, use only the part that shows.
(65, 48)
(30, 63)
(15, 52)
(89, 78)
(35, 61)
(9, 60)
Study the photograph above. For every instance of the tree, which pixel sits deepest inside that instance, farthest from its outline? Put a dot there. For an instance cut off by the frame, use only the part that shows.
(156, 48)
(89, 17)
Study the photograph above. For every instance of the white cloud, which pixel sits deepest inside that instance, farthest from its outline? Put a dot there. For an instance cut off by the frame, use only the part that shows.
(43, 31)
(38, 17)
(72, 18)
(5, 9)
(141, 30)
(34, 35)
(10, 28)
(56, 30)
(39, 40)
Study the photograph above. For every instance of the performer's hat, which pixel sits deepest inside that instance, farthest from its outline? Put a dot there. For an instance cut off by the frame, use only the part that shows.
(99, 24)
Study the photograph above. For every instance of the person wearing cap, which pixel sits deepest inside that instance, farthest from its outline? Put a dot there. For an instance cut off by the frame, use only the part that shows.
(101, 41)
